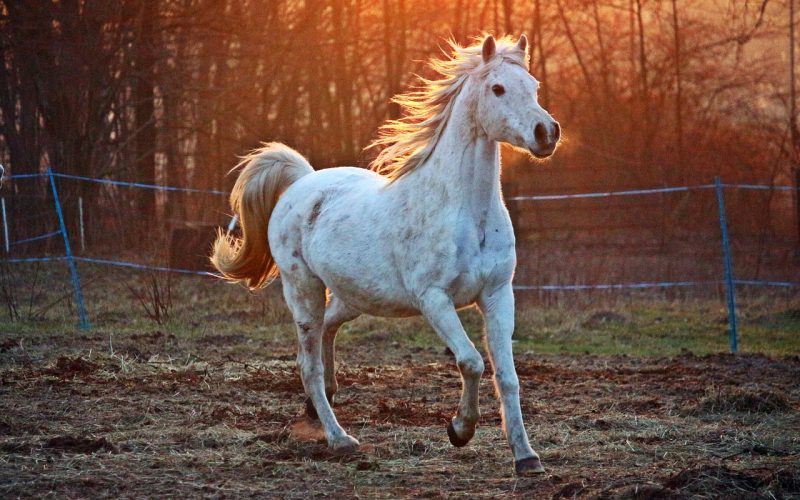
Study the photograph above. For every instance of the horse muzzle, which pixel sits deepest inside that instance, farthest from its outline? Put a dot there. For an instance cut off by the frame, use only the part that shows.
(546, 136)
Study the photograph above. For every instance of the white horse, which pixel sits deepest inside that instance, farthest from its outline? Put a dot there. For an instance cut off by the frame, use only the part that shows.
(425, 231)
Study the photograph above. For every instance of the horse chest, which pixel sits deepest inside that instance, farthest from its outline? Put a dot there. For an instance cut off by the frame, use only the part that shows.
(467, 258)
(494, 264)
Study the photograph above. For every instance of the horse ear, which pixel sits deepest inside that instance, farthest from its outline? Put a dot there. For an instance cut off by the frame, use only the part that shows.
(489, 48)
(522, 44)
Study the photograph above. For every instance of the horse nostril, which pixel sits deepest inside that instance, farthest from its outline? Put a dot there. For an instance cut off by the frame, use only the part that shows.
(556, 131)
(540, 133)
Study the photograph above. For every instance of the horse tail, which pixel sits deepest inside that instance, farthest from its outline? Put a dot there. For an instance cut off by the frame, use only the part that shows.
(266, 173)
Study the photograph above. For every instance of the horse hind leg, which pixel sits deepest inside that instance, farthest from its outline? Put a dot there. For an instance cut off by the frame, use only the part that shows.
(336, 314)
(305, 295)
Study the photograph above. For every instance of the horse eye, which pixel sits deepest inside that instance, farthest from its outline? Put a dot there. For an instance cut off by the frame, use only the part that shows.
(498, 90)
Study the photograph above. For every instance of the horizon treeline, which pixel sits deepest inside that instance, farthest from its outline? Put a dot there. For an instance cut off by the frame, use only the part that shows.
(648, 92)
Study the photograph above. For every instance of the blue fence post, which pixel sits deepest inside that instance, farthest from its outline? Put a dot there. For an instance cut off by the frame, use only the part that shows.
(728, 264)
(83, 319)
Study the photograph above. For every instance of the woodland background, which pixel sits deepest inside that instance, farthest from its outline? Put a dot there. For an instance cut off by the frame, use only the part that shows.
(649, 93)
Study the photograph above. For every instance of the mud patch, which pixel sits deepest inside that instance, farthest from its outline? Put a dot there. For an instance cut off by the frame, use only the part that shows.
(68, 367)
(237, 418)
(9, 344)
(305, 431)
(718, 481)
(17, 447)
(411, 413)
(224, 340)
(71, 444)
(152, 337)
(714, 478)
(273, 437)
(279, 381)
(743, 401)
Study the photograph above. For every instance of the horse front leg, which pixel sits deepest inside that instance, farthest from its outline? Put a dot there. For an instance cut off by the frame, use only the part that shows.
(438, 309)
(498, 311)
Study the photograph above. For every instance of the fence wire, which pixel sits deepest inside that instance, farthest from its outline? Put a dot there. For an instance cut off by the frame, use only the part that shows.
(578, 242)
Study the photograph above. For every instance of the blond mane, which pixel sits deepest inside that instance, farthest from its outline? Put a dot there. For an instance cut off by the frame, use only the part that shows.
(410, 140)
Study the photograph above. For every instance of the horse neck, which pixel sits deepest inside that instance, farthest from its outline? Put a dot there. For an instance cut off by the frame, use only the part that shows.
(464, 168)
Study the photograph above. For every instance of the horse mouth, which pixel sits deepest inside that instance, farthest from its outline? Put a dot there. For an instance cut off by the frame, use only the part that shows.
(541, 155)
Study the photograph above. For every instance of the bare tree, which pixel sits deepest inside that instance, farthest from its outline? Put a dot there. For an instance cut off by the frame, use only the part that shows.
(172, 90)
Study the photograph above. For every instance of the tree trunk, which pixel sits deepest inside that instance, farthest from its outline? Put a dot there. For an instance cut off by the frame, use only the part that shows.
(539, 65)
(678, 89)
(145, 129)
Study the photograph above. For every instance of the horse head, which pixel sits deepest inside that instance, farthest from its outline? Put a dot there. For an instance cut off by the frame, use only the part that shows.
(508, 109)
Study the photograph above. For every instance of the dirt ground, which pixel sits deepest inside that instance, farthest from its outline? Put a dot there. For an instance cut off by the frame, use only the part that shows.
(83, 415)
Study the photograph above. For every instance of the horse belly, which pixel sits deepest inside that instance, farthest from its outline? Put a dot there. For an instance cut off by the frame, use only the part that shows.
(373, 293)
(355, 268)
(375, 304)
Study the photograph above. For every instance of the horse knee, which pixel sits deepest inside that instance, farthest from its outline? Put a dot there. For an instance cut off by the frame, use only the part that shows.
(471, 366)
(507, 383)
(307, 368)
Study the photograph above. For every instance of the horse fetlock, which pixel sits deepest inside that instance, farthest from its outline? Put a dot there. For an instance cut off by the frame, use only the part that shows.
(468, 420)
(464, 423)
(458, 433)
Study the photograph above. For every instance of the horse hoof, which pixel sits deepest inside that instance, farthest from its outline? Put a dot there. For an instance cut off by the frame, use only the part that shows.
(344, 445)
(454, 439)
(311, 412)
(528, 466)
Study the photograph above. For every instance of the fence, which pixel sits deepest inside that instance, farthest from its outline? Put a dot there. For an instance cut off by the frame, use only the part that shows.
(727, 279)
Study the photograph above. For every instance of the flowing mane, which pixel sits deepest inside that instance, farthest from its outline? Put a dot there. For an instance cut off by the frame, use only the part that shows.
(409, 140)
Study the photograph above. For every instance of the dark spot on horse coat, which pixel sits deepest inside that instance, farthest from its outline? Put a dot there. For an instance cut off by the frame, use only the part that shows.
(305, 327)
(309, 342)
(315, 213)
(409, 234)
(296, 253)
(432, 276)
(294, 267)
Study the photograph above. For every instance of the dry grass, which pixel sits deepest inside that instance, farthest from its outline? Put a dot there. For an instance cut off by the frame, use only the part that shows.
(210, 404)
(157, 414)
